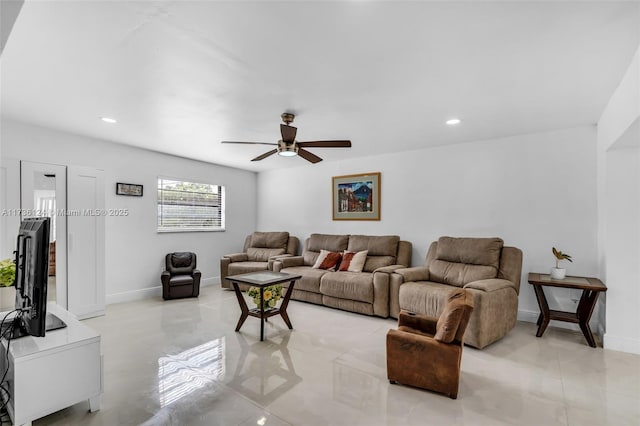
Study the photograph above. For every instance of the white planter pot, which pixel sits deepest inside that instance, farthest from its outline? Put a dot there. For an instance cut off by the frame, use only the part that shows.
(7, 298)
(558, 273)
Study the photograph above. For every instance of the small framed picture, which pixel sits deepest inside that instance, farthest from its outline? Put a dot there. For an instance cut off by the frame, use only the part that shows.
(356, 197)
(128, 189)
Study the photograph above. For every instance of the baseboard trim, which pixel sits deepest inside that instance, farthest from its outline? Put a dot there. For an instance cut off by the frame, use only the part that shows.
(130, 296)
(527, 316)
(150, 292)
(621, 344)
(532, 316)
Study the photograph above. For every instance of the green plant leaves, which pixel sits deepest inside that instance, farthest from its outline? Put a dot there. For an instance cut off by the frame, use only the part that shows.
(560, 255)
(7, 273)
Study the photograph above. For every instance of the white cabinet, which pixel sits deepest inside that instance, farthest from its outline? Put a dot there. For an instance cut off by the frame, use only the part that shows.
(49, 373)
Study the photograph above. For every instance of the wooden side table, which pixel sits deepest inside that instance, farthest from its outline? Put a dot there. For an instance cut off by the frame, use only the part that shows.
(261, 280)
(591, 288)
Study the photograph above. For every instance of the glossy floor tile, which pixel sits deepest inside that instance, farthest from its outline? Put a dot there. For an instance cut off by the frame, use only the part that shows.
(179, 362)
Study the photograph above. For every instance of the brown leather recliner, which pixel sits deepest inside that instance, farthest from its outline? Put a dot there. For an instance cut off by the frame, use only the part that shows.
(258, 253)
(426, 352)
(181, 278)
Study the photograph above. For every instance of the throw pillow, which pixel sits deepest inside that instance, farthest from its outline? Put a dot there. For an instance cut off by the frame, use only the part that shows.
(327, 260)
(352, 261)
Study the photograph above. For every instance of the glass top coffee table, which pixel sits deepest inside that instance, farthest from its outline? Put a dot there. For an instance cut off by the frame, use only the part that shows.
(261, 280)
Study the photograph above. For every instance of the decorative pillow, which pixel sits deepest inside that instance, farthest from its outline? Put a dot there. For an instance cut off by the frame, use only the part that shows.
(327, 260)
(352, 261)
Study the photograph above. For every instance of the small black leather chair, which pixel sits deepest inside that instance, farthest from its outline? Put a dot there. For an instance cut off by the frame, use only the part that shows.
(181, 278)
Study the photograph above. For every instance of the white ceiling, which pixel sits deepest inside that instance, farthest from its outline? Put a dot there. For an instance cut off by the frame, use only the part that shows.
(181, 76)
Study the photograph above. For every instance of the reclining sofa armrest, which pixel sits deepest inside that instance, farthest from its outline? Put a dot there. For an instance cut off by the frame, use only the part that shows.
(225, 261)
(273, 259)
(416, 273)
(397, 278)
(492, 284)
(197, 275)
(237, 257)
(287, 262)
(420, 322)
(389, 269)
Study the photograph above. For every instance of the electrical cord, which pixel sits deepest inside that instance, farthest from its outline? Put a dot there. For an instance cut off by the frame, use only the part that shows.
(8, 335)
(5, 418)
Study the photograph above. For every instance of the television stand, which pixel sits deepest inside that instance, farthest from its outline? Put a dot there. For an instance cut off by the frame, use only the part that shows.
(52, 322)
(47, 374)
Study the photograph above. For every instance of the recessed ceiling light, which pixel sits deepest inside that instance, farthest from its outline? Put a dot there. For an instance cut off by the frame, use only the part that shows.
(108, 120)
(453, 121)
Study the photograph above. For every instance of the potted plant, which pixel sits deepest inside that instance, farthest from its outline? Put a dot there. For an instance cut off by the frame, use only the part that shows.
(7, 281)
(559, 273)
(271, 295)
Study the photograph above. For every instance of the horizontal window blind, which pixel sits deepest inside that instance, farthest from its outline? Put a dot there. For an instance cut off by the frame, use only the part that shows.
(189, 206)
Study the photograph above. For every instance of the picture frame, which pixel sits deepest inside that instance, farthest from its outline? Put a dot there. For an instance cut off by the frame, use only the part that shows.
(130, 189)
(356, 197)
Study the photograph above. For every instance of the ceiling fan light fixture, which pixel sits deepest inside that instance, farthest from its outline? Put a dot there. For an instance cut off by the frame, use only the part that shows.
(287, 150)
(288, 146)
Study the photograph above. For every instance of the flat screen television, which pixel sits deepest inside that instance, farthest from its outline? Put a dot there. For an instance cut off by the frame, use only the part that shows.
(32, 266)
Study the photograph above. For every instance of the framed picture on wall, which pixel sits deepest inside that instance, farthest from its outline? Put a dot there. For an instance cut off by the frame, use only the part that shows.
(356, 197)
(128, 189)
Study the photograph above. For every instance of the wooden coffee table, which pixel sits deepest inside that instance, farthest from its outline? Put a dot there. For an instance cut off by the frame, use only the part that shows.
(261, 280)
(590, 287)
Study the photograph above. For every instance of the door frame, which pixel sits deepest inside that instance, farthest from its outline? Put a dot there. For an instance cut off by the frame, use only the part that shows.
(27, 170)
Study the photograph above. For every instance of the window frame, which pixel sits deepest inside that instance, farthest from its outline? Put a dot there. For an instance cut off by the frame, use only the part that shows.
(221, 207)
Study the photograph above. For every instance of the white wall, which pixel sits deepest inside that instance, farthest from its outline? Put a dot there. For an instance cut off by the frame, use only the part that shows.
(9, 198)
(619, 210)
(623, 108)
(535, 191)
(622, 247)
(134, 250)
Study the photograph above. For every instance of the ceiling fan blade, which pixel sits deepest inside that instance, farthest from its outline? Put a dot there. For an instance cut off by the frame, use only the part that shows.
(326, 144)
(265, 155)
(288, 133)
(251, 143)
(308, 156)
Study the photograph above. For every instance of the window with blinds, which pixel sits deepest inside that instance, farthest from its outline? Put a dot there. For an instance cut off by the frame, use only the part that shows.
(189, 206)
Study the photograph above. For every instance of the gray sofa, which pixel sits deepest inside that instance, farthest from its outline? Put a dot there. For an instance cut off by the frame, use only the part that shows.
(365, 292)
(259, 251)
(484, 266)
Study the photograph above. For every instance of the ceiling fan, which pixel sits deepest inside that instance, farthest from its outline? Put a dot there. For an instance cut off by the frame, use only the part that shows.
(288, 146)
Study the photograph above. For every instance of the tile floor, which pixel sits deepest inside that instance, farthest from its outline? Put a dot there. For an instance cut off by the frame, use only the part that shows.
(181, 363)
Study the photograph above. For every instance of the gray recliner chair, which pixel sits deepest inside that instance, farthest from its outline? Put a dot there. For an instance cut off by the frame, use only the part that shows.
(485, 267)
(259, 251)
